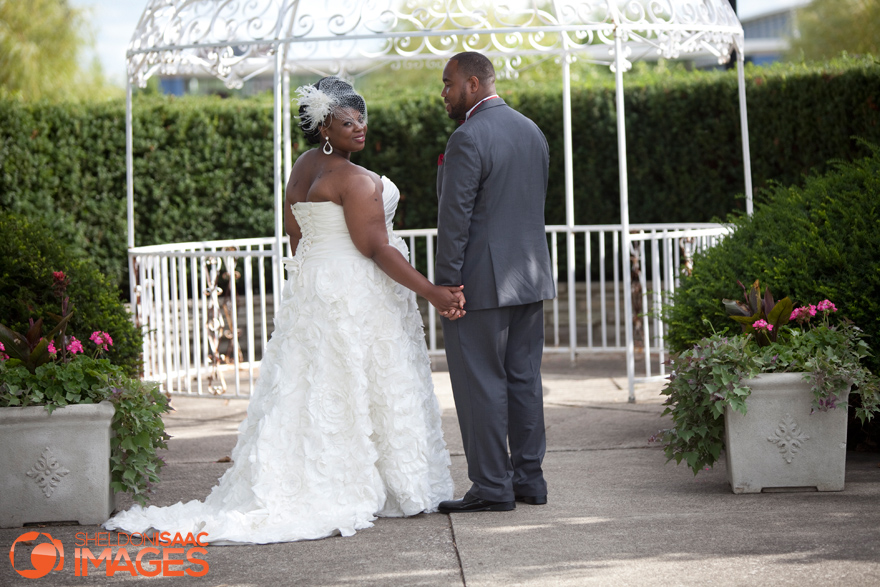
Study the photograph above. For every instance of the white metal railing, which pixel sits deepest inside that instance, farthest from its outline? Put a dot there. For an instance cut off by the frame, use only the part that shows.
(206, 313)
(188, 308)
(666, 253)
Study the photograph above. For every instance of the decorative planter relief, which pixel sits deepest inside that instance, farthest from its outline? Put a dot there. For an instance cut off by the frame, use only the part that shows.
(788, 437)
(779, 443)
(56, 467)
(47, 472)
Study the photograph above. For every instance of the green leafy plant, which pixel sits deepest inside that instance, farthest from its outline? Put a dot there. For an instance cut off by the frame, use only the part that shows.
(757, 312)
(55, 371)
(33, 256)
(713, 375)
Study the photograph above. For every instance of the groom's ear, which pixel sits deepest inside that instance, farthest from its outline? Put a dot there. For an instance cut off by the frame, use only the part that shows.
(473, 84)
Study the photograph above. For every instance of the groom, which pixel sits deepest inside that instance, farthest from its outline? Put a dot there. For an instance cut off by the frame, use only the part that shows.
(491, 185)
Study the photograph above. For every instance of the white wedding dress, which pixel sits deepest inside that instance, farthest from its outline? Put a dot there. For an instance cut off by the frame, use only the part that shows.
(343, 424)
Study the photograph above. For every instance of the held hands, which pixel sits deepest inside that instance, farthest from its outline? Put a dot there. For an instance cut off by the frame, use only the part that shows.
(449, 301)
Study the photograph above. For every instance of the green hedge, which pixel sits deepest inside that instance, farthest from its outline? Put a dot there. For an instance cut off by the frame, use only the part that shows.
(204, 166)
(30, 252)
(808, 243)
(203, 170)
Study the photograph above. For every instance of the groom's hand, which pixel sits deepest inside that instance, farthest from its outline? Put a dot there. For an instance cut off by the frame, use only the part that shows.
(457, 309)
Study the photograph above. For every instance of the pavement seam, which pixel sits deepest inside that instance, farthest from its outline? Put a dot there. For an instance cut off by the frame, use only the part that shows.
(457, 553)
(600, 448)
(595, 407)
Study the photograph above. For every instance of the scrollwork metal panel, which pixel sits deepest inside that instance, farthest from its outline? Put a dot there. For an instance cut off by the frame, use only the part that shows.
(233, 39)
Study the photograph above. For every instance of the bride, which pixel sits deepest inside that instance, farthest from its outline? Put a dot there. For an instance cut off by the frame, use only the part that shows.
(343, 424)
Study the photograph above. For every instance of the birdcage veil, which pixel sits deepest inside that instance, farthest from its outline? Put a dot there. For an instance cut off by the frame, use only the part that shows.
(329, 97)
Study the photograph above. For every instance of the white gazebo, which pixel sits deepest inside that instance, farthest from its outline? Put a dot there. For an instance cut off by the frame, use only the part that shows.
(174, 286)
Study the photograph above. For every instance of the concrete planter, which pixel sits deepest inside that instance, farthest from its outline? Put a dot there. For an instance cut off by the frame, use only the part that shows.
(779, 444)
(56, 468)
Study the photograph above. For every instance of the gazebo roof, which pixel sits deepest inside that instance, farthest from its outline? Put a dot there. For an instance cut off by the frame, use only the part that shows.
(237, 39)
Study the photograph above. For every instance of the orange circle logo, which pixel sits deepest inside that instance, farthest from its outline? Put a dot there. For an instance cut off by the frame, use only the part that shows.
(43, 555)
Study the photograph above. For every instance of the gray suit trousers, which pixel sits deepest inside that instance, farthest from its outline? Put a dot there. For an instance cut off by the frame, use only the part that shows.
(494, 358)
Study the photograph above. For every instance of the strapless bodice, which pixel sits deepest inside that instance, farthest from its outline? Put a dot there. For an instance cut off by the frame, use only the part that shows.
(325, 235)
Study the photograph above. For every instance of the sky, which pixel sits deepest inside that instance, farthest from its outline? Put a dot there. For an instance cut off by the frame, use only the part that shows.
(114, 22)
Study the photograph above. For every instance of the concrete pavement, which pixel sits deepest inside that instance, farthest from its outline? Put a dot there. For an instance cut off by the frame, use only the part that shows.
(617, 514)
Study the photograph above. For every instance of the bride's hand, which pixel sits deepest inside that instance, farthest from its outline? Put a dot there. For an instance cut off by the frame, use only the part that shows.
(449, 301)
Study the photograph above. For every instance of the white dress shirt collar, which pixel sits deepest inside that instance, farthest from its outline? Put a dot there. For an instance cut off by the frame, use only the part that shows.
(469, 112)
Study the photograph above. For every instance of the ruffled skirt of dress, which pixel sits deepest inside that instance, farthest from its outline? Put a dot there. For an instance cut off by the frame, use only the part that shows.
(343, 424)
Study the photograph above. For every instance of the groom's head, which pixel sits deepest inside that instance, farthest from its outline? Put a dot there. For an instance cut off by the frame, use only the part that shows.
(467, 78)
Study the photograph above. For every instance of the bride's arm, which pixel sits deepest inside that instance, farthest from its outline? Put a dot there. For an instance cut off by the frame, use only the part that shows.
(365, 217)
(291, 226)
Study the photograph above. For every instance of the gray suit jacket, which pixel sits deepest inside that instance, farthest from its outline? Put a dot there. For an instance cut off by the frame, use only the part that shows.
(491, 186)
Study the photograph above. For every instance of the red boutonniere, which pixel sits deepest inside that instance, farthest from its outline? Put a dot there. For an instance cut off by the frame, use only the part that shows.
(440, 159)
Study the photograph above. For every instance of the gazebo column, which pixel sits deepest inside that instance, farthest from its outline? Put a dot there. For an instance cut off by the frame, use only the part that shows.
(569, 204)
(278, 269)
(129, 185)
(288, 150)
(624, 214)
(744, 127)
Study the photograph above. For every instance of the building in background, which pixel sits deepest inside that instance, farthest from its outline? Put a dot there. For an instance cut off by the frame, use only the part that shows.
(767, 35)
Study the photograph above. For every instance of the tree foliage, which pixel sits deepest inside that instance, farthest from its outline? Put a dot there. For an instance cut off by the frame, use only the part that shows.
(41, 43)
(829, 27)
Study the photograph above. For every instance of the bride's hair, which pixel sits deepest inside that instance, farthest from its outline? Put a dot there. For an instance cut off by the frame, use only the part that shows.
(325, 99)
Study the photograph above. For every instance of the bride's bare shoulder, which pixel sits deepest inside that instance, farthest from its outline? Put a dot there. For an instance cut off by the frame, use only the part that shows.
(356, 180)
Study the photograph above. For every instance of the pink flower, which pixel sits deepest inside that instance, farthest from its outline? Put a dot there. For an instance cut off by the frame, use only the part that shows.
(3, 356)
(59, 283)
(102, 339)
(762, 325)
(826, 306)
(52, 349)
(74, 346)
(803, 314)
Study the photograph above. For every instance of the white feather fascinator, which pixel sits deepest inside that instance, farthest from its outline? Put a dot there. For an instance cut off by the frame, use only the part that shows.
(317, 102)
(315, 106)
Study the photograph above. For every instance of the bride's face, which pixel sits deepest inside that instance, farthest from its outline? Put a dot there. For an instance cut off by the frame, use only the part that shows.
(347, 130)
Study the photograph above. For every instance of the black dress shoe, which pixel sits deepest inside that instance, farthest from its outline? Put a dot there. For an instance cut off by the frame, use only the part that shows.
(474, 504)
(532, 499)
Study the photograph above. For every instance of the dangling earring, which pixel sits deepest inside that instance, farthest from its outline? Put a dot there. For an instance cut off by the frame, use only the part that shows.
(328, 148)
